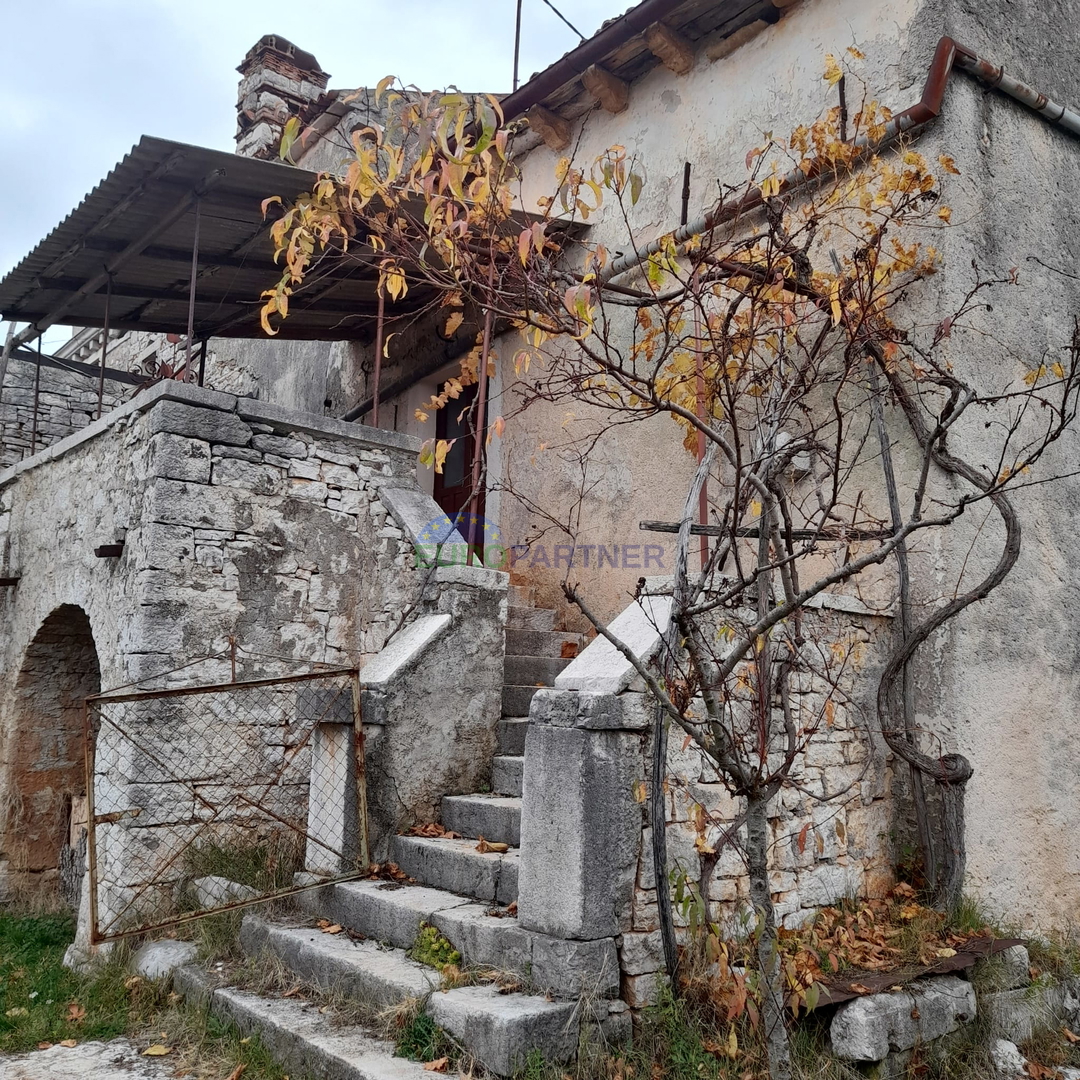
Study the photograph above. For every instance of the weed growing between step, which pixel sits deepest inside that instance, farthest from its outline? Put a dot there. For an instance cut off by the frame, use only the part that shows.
(431, 948)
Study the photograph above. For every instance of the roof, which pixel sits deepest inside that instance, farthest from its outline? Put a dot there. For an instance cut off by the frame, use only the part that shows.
(152, 193)
(619, 47)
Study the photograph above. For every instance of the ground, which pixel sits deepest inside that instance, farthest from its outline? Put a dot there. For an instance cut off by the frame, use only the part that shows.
(117, 1059)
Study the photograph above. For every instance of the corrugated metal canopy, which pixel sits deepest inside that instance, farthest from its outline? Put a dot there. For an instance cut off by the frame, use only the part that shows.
(154, 186)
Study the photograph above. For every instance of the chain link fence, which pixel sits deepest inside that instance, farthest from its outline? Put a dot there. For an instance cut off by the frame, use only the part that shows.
(208, 798)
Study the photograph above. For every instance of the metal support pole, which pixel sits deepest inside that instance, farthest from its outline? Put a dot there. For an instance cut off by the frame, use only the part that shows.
(517, 43)
(481, 409)
(104, 345)
(379, 328)
(191, 286)
(37, 394)
(202, 361)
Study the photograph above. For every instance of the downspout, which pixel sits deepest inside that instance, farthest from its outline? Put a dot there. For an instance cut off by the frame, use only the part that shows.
(948, 55)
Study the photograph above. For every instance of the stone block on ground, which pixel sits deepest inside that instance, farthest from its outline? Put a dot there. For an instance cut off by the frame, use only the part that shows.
(159, 959)
(1015, 1014)
(502, 1029)
(1006, 970)
(868, 1028)
(215, 891)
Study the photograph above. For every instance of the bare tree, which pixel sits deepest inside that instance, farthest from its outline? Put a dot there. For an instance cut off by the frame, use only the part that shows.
(782, 340)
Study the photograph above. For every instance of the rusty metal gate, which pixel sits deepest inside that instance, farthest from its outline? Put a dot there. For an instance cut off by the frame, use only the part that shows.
(207, 798)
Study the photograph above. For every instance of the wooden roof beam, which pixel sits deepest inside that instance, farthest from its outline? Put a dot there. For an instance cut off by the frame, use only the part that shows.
(670, 48)
(553, 129)
(608, 90)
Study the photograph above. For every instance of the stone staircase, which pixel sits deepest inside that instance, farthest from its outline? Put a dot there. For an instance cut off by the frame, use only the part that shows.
(465, 894)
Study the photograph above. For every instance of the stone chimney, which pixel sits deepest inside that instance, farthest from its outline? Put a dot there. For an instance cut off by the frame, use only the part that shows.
(278, 81)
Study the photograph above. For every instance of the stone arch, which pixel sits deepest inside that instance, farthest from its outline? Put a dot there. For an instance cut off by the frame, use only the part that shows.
(46, 779)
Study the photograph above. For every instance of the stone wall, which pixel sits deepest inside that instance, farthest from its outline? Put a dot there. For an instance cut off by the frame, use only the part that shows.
(587, 864)
(291, 534)
(67, 402)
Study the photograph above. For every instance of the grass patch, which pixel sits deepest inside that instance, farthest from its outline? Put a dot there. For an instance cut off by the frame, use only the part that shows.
(420, 1039)
(42, 1001)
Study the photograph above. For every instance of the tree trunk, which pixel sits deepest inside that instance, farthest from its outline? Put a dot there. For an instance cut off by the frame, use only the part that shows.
(774, 1028)
(953, 791)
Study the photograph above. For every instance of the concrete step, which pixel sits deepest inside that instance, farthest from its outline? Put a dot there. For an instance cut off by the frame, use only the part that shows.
(362, 970)
(457, 867)
(511, 735)
(532, 670)
(494, 817)
(506, 772)
(300, 1038)
(517, 699)
(502, 1030)
(485, 936)
(541, 642)
(523, 617)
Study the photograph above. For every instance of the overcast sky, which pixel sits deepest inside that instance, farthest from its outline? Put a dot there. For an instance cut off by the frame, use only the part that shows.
(84, 79)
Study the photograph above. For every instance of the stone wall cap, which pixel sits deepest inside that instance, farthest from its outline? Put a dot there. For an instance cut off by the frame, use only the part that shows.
(402, 651)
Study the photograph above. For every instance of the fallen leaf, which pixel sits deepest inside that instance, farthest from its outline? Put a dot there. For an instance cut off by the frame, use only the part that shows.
(157, 1050)
(237, 1072)
(291, 993)
(1071, 1036)
(44, 1045)
(511, 910)
(244, 1041)
(76, 1013)
(18, 1011)
(438, 1065)
(945, 953)
(568, 650)
(69, 1043)
(860, 988)
(130, 984)
(334, 928)
(488, 845)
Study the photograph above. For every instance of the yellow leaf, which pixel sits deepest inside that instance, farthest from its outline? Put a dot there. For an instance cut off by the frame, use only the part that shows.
(833, 73)
(157, 1050)
(948, 164)
(438, 1065)
(945, 953)
(453, 321)
(334, 928)
(945, 214)
(770, 186)
(834, 302)
(641, 792)
(1058, 370)
(856, 53)
(732, 1043)
(69, 1043)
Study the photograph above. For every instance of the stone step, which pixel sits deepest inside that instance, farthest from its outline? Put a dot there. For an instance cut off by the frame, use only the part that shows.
(499, 1030)
(506, 773)
(522, 595)
(302, 1040)
(517, 699)
(362, 970)
(503, 1030)
(541, 642)
(385, 911)
(485, 936)
(511, 735)
(529, 618)
(532, 670)
(457, 867)
(494, 817)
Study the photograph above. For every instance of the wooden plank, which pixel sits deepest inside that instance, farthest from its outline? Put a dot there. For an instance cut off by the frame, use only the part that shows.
(553, 129)
(670, 48)
(609, 90)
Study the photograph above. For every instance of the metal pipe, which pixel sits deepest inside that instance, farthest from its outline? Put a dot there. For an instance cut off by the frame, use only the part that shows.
(133, 249)
(104, 346)
(377, 375)
(202, 361)
(948, 54)
(191, 286)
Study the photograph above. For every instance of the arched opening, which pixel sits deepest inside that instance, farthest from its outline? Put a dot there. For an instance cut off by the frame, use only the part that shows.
(46, 812)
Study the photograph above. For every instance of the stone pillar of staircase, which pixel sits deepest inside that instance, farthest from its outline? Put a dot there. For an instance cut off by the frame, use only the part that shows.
(580, 824)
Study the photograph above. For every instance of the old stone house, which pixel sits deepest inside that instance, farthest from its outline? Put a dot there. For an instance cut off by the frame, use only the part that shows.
(245, 508)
